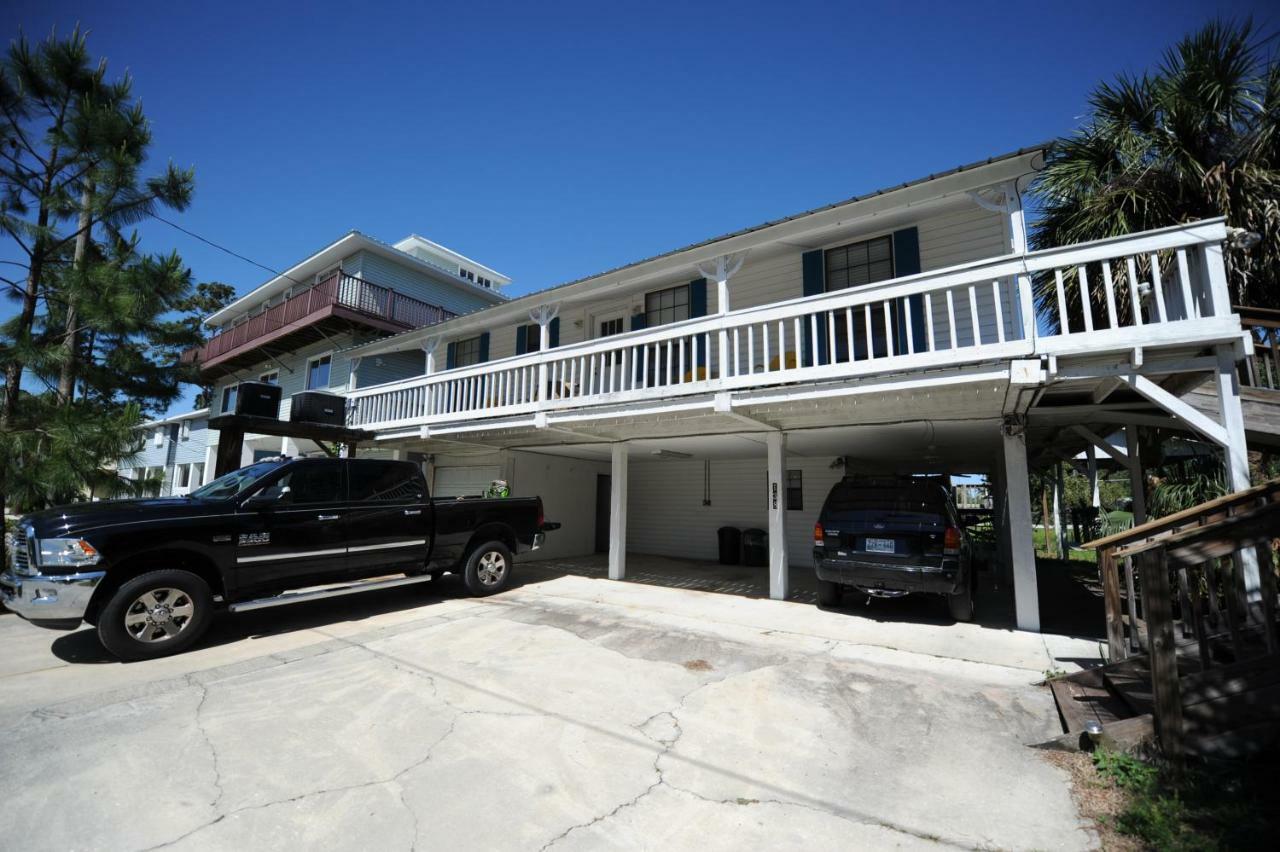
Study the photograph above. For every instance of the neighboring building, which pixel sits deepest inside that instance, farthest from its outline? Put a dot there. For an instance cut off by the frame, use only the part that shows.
(734, 381)
(172, 450)
(296, 330)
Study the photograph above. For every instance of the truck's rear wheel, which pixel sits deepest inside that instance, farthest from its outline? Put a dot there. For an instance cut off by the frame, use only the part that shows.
(961, 603)
(155, 614)
(488, 569)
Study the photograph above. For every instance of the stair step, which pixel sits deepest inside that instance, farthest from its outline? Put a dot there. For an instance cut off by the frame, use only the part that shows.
(1084, 698)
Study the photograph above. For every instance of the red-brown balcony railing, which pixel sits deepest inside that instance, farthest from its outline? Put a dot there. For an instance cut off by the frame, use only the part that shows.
(339, 290)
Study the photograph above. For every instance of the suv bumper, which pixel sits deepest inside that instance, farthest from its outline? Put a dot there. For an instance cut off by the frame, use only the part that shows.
(50, 600)
(945, 578)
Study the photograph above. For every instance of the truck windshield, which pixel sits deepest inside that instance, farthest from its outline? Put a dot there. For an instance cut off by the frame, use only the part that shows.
(236, 482)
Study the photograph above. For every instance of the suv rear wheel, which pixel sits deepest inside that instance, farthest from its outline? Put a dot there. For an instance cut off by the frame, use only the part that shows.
(155, 614)
(828, 593)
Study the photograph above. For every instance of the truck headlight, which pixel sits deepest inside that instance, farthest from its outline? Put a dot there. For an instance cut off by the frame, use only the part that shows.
(66, 553)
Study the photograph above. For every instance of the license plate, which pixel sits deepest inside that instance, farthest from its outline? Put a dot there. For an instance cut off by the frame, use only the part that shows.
(879, 545)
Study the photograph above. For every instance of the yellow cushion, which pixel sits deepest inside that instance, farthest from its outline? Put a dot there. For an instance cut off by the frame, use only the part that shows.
(701, 371)
(776, 362)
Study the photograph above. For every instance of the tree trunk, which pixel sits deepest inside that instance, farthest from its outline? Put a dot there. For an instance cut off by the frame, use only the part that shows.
(71, 345)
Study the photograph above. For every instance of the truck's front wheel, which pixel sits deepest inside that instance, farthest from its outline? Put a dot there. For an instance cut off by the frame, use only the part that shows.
(488, 569)
(155, 614)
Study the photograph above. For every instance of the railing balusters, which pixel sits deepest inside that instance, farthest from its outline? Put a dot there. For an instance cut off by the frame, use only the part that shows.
(888, 329)
(1135, 300)
(1190, 308)
(951, 321)
(848, 333)
(1110, 289)
(871, 343)
(1157, 287)
(995, 298)
(973, 315)
(831, 337)
(928, 325)
(798, 342)
(1086, 305)
(751, 350)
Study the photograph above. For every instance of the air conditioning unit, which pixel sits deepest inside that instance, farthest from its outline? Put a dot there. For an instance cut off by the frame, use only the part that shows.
(315, 407)
(258, 399)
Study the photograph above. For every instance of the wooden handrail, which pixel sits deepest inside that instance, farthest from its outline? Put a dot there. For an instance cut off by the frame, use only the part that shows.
(1269, 490)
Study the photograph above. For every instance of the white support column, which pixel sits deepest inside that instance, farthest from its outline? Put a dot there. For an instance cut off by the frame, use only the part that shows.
(1057, 511)
(1137, 480)
(1022, 546)
(543, 315)
(720, 270)
(1235, 456)
(1095, 494)
(352, 379)
(779, 578)
(618, 513)
(210, 461)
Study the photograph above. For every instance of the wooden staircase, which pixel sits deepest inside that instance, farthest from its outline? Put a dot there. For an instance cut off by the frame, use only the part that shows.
(1194, 665)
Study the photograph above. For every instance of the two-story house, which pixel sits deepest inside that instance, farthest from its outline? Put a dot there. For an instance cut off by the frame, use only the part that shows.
(733, 381)
(171, 451)
(297, 329)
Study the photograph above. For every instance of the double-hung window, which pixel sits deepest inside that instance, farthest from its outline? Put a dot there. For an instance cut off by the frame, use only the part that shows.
(666, 306)
(271, 378)
(467, 352)
(532, 337)
(318, 372)
(859, 263)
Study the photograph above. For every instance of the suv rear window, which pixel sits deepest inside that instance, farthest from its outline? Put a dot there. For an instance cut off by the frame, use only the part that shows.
(903, 496)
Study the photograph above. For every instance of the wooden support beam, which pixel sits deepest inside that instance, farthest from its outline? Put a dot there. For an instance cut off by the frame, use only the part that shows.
(1157, 606)
(230, 448)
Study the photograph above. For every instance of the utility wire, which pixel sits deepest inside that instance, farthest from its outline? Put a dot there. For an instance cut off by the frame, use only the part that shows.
(223, 248)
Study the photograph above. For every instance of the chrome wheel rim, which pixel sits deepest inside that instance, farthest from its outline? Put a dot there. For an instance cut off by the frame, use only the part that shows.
(158, 615)
(492, 568)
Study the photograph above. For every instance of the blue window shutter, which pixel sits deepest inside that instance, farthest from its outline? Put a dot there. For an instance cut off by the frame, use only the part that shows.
(553, 334)
(698, 308)
(451, 356)
(484, 347)
(698, 297)
(906, 261)
(637, 321)
(522, 339)
(814, 282)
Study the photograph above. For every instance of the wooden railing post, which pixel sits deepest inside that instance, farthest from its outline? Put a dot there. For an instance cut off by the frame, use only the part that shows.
(1158, 608)
(1116, 649)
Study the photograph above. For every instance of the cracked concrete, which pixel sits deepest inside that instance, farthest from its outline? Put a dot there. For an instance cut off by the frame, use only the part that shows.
(565, 715)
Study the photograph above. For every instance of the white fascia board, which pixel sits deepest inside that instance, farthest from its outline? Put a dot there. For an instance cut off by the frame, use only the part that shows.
(431, 245)
(187, 415)
(331, 254)
(643, 273)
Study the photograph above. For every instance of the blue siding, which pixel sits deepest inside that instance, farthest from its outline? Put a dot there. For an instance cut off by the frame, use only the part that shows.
(192, 449)
(419, 285)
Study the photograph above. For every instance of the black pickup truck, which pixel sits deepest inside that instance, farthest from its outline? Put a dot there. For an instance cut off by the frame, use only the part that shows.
(150, 573)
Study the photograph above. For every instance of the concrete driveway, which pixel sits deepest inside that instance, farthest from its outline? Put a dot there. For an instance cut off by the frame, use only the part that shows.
(569, 713)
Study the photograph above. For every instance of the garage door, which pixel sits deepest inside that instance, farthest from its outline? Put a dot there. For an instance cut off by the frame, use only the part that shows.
(470, 481)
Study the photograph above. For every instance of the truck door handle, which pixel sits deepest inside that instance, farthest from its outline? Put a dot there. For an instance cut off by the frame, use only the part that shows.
(413, 511)
(327, 517)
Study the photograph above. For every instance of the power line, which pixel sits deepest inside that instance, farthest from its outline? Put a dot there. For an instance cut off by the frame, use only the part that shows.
(223, 248)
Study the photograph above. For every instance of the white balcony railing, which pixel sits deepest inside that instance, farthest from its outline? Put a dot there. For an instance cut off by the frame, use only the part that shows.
(973, 313)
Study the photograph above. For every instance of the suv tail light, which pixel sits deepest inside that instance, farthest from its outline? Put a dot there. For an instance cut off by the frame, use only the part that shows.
(541, 516)
(951, 541)
(819, 536)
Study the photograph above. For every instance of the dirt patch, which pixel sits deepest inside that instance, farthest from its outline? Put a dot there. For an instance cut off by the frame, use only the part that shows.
(697, 665)
(1098, 799)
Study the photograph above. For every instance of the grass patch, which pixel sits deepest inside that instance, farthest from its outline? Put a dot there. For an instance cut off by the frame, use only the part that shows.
(1207, 808)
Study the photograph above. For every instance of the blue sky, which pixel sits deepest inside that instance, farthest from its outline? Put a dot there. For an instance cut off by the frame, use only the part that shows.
(553, 140)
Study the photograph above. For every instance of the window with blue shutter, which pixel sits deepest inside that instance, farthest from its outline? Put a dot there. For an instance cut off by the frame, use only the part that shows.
(814, 282)
(553, 333)
(698, 308)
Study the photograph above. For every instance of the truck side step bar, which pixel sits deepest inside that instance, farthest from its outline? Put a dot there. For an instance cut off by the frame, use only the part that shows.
(315, 594)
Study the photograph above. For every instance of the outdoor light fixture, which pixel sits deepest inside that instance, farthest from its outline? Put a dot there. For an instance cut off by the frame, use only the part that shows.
(671, 454)
(1094, 729)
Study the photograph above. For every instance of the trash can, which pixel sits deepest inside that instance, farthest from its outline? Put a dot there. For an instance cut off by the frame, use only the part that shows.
(730, 545)
(755, 548)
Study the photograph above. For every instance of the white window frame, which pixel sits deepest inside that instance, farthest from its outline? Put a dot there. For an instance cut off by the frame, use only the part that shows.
(223, 408)
(157, 440)
(184, 432)
(272, 377)
(306, 377)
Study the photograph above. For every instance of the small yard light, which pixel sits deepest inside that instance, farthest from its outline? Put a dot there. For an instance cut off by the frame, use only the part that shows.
(1094, 729)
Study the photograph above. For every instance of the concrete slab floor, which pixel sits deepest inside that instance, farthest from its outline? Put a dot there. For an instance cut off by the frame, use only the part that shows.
(567, 713)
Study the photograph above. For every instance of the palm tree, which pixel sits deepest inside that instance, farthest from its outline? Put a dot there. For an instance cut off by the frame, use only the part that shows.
(1196, 138)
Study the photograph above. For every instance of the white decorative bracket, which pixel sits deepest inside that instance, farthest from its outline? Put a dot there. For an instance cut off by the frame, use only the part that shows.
(542, 315)
(429, 347)
(723, 267)
(994, 198)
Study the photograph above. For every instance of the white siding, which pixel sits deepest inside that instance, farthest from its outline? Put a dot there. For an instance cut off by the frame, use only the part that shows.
(667, 517)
